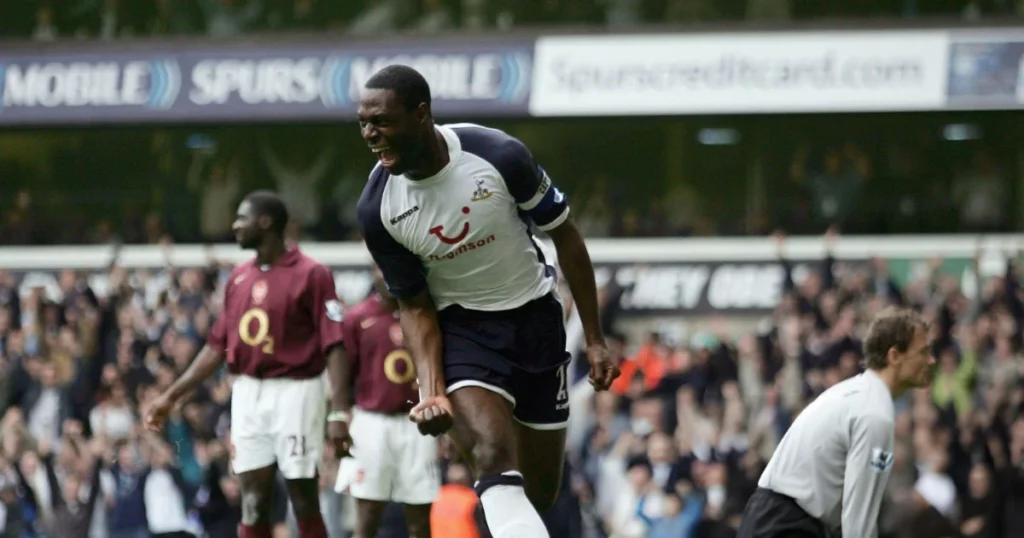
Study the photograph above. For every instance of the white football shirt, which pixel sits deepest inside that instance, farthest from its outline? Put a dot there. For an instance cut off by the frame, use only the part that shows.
(464, 233)
(834, 460)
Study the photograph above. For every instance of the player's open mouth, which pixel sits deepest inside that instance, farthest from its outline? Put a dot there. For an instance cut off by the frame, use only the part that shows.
(385, 154)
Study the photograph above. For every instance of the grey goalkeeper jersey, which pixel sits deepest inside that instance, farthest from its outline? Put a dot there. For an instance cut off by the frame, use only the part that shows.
(835, 458)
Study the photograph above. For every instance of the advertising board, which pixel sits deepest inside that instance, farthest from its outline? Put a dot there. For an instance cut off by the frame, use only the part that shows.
(219, 83)
(739, 73)
(985, 70)
(683, 277)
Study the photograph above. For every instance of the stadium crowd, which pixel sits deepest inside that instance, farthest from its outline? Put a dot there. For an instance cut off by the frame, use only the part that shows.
(874, 178)
(46, 20)
(678, 445)
(673, 451)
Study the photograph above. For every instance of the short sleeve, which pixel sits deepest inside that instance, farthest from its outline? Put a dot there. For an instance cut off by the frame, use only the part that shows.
(403, 271)
(350, 334)
(529, 184)
(218, 337)
(327, 310)
(547, 206)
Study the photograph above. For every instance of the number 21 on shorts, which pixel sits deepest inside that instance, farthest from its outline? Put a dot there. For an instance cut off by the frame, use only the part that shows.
(297, 446)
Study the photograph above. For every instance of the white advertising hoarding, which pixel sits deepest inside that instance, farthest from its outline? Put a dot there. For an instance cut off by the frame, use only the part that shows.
(740, 73)
(697, 276)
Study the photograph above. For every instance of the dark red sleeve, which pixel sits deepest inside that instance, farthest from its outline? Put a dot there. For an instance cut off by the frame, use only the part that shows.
(350, 335)
(218, 337)
(328, 313)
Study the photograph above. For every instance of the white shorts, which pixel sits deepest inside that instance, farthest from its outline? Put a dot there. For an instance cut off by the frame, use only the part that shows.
(278, 421)
(390, 461)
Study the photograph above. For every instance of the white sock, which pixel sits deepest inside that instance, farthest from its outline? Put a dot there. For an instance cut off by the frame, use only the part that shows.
(509, 513)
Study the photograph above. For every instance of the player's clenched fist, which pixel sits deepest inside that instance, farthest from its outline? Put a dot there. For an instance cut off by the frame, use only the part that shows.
(433, 416)
(157, 412)
(603, 370)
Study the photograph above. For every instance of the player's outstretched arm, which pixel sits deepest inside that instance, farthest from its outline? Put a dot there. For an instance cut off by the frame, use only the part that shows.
(433, 414)
(206, 363)
(868, 462)
(574, 259)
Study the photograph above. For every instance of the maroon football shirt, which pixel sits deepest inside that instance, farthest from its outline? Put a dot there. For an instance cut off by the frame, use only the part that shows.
(382, 369)
(278, 320)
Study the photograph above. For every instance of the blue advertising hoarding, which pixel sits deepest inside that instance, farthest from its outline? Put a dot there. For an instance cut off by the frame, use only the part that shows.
(228, 83)
(985, 72)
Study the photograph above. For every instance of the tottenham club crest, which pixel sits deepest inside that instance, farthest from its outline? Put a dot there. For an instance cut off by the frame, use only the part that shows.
(259, 292)
(481, 192)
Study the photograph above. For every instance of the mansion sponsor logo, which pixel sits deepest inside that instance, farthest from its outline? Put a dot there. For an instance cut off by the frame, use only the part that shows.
(468, 246)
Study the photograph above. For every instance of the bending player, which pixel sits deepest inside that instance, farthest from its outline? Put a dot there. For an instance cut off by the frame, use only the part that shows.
(446, 215)
(280, 325)
(830, 470)
(390, 460)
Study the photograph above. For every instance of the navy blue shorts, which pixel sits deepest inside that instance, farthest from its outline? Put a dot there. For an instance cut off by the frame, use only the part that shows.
(519, 354)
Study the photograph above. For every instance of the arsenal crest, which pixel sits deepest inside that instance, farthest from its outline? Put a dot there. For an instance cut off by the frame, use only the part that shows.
(395, 332)
(259, 292)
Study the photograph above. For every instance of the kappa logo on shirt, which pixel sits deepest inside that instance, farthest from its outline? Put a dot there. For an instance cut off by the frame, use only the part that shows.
(881, 460)
(405, 214)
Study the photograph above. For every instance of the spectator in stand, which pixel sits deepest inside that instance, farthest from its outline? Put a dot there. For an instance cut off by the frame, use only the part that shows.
(640, 504)
(47, 403)
(164, 487)
(681, 517)
(456, 510)
(218, 501)
(128, 515)
(977, 508)
(113, 418)
(12, 515)
(73, 503)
